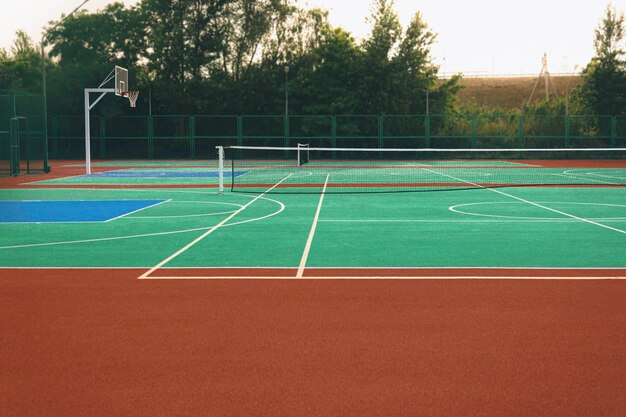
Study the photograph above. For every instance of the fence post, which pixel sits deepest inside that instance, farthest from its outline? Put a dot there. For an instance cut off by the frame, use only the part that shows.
(520, 131)
(427, 130)
(381, 131)
(286, 130)
(150, 137)
(474, 130)
(27, 143)
(14, 146)
(333, 134)
(613, 131)
(55, 134)
(46, 156)
(192, 137)
(102, 137)
(239, 130)
(567, 130)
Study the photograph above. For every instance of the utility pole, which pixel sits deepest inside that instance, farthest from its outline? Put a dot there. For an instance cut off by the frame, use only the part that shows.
(286, 90)
(548, 81)
(567, 90)
(43, 80)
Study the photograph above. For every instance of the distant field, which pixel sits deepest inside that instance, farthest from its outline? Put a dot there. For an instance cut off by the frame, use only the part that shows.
(510, 92)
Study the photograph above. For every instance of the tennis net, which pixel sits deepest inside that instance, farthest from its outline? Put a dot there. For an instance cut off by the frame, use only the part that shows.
(303, 169)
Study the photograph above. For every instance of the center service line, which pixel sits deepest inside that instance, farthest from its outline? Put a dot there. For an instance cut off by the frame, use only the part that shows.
(307, 247)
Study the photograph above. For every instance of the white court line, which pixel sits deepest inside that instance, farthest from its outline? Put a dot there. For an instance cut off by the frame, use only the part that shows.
(390, 278)
(172, 232)
(137, 211)
(530, 202)
(102, 239)
(309, 241)
(529, 220)
(208, 232)
(369, 268)
(190, 215)
(48, 182)
(583, 177)
(621, 277)
(76, 222)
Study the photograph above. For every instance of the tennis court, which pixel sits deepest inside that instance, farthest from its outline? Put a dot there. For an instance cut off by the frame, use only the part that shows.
(330, 218)
(413, 287)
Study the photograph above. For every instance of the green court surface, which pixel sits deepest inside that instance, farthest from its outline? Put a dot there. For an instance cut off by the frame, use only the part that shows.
(527, 228)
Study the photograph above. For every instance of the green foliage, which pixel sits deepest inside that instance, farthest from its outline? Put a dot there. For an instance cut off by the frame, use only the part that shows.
(86, 47)
(603, 90)
(329, 83)
(609, 34)
(397, 68)
(20, 68)
(552, 107)
(229, 57)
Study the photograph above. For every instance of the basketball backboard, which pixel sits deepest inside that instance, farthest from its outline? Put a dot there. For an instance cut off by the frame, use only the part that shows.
(121, 81)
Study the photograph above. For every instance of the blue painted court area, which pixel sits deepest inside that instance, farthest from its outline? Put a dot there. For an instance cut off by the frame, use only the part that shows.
(167, 174)
(69, 211)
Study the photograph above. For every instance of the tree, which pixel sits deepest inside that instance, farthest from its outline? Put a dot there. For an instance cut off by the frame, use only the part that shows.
(259, 39)
(603, 87)
(246, 24)
(184, 38)
(376, 95)
(330, 83)
(416, 72)
(20, 68)
(397, 67)
(228, 56)
(86, 47)
(610, 33)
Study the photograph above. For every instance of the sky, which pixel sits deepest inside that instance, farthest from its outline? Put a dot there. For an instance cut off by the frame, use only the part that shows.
(477, 37)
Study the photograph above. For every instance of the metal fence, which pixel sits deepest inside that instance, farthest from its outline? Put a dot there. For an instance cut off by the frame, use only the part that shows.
(195, 137)
(23, 145)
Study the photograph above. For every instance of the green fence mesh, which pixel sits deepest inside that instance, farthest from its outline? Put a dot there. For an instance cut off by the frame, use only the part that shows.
(23, 142)
(6, 113)
(184, 136)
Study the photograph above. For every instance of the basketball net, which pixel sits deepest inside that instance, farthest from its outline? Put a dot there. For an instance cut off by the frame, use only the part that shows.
(132, 97)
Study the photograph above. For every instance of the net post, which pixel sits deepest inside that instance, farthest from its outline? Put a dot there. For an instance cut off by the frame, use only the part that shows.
(298, 152)
(613, 131)
(220, 167)
(301, 156)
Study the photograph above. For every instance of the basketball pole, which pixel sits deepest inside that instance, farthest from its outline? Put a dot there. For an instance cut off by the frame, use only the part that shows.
(88, 107)
(119, 76)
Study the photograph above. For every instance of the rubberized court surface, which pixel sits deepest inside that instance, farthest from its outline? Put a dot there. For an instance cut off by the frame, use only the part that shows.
(131, 292)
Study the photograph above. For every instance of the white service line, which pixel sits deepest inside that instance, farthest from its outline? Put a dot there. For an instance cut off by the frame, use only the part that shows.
(530, 202)
(309, 241)
(121, 216)
(584, 177)
(208, 232)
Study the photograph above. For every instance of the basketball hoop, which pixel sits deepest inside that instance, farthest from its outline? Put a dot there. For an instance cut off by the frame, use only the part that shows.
(132, 96)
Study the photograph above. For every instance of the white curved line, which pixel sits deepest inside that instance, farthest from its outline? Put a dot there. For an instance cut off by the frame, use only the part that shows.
(455, 210)
(189, 215)
(173, 232)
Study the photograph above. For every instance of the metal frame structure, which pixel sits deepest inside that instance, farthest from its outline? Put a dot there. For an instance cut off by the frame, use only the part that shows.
(120, 77)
